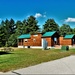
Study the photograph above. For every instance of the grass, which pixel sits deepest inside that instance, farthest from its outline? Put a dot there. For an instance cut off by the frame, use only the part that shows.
(22, 58)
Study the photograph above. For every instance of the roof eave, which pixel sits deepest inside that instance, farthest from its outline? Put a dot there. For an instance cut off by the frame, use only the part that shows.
(45, 36)
(23, 38)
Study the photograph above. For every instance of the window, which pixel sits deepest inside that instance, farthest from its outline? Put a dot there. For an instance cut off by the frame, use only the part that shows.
(35, 35)
(26, 40)
(34, 40)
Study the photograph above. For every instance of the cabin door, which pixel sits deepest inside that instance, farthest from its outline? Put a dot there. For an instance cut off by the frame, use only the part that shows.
(55, 41)
(73, 41)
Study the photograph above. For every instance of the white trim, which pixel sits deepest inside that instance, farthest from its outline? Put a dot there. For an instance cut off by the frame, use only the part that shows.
(20, 46)
(70, 45)
(41, 46)
(49, 47)
(35, 46)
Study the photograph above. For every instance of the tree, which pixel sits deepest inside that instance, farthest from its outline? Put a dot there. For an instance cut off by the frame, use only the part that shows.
(32, 25)
(50, 25)
(2, 34)
(9, 29)
(2, 40)
(12, 26)
(12, 41)
(19, 26)
(73, 31)
(65, 29)
(25, 27)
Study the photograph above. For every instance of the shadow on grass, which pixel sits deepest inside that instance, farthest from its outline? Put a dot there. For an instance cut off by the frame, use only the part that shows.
(4, 53)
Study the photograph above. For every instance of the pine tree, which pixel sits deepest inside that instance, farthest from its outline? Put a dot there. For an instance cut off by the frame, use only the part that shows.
(50, 25)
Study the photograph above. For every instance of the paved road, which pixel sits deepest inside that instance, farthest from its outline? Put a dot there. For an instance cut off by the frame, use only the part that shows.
(61, 66)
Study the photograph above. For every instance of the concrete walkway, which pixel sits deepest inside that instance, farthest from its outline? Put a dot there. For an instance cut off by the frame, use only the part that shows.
(61, 66)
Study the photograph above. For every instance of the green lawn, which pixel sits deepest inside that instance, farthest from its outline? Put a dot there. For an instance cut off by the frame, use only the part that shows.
(21, 58)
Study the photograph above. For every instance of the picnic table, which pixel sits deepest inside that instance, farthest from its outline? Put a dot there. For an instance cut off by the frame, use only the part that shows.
(7, 49)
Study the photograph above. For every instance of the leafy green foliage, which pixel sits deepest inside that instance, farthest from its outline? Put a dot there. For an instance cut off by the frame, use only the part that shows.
(12, 41)
(65, 29)
(9, 30)
(32, 24)
(50, 25)
(73, 30)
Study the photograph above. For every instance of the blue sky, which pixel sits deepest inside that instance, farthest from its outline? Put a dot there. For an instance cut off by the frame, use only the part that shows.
(62, 11)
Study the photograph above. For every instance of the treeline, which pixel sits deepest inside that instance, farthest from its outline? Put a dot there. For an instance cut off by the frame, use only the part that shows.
(10, 30)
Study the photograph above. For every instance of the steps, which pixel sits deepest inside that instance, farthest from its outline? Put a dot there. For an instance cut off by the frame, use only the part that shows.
(57, 47)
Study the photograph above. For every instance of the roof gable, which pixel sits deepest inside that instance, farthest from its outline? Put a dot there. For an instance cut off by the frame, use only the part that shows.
(24, 36)
(47, 34)
(69, 36)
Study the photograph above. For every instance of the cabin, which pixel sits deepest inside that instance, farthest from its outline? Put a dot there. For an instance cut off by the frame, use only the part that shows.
(67, 40)
(52, 38)
(30, 40)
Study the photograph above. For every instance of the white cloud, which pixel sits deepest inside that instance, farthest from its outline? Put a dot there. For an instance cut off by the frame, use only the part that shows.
(37, 15)
(70, 20)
